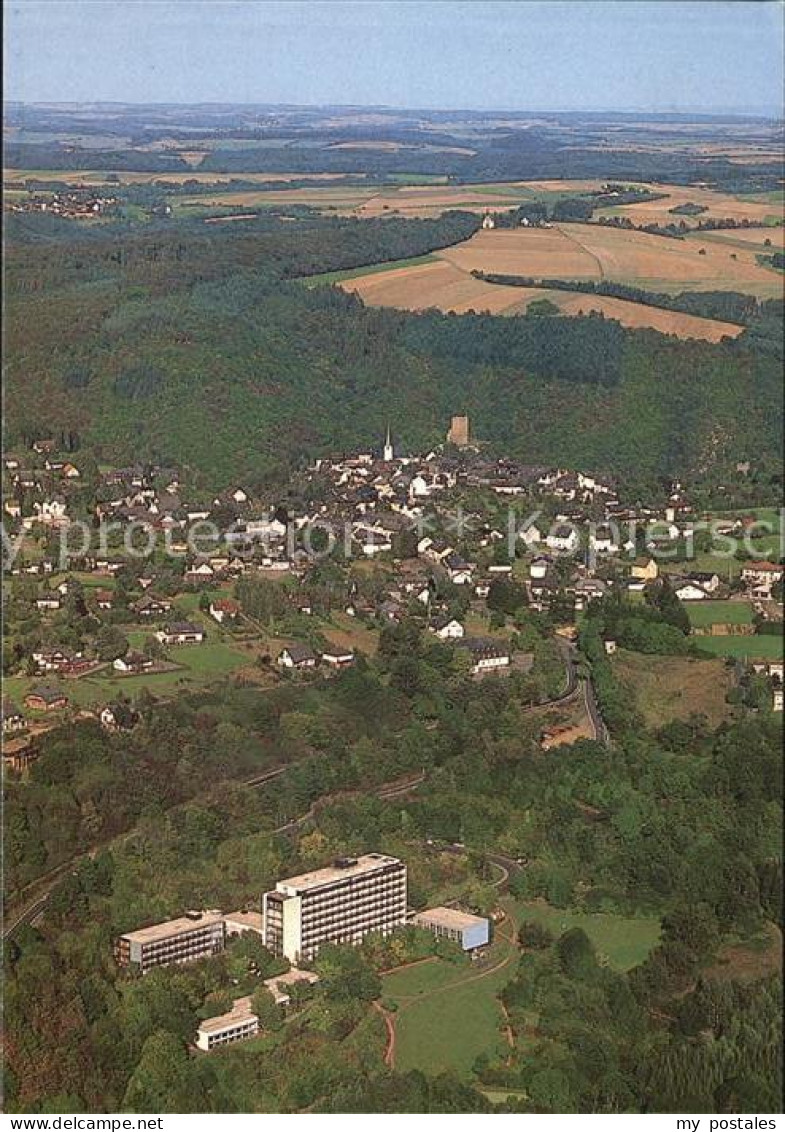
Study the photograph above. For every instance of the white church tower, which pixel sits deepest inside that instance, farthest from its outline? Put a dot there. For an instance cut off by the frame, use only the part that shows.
(388, 448)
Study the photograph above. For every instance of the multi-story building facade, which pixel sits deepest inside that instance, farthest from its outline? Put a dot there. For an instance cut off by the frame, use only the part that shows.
(339, 904)
(193, 936)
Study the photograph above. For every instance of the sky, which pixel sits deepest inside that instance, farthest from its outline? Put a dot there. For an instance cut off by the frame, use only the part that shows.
(449, 54)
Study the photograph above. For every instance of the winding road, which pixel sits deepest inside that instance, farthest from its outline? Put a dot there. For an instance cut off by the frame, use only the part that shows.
(39, 890)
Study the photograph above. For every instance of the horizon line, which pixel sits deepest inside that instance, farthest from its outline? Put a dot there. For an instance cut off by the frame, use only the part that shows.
(717, 111)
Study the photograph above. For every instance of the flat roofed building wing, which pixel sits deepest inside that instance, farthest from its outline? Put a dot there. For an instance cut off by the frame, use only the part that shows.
(462, 927)
(238, 922)
(237, 1024)
(338, 904)
(182, 940)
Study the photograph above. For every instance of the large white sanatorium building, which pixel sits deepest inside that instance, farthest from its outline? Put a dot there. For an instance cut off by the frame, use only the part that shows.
(339, 904)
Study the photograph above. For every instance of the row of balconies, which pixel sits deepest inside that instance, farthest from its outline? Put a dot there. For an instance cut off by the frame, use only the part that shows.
(334, 932)
(353, 898)
(356, 916)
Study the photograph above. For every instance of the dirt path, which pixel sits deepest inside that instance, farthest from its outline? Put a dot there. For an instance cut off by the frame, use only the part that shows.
(408, 999)
(389, 1053)
(574, 240)
(507, 1030)
(508, 935)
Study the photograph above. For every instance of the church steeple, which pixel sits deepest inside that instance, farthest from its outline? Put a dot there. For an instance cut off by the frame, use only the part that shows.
(388, 448)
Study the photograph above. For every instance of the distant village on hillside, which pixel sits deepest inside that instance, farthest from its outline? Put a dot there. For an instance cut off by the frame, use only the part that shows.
(444, 533)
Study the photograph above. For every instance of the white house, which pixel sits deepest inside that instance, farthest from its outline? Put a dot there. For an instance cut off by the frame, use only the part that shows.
(486, 655)
(689, 591)
(201, 573)
(564, 539)
(531, 535)
(772, 668)
(48, 601)
(760, 577)
(602, 541)
(449, 629)
(265, 528)
(224, 609)
(419, 488)
(338, 658)
(51, 511)
(132, 663)
(296, 655)
(372, 540)
(181, 633)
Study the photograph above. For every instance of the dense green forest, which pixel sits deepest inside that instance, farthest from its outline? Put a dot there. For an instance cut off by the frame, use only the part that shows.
(530, 152)
(142, 342)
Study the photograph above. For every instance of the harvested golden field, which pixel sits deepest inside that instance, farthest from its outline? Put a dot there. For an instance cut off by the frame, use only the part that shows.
(539, 252)
(593, 251)
(332, 196)
(718, 206)
(432, 200)
(447, 287)
(634, 315)
(429, 285)
(660, 263)
(747, 238)
(675, 687)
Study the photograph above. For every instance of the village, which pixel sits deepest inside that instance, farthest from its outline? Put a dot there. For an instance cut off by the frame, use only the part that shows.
(453, 540)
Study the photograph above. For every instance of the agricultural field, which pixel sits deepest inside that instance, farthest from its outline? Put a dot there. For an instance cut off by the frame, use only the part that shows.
(98, 176)
(374, 269)
(676, 687)
(633, 315)
(418, 200)
(428, 198)
(568, 251)
(437, 284)
(757, 238)
(590, 251)
(719, 206)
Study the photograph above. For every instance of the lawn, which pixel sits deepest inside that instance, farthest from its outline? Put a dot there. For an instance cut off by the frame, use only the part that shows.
(454, 1016)
(417, 978)
(625, 941)
(758, 647)
(448, 1014)
(703, 613)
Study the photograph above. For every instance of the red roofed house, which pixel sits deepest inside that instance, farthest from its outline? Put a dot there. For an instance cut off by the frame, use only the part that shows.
(224, 609)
